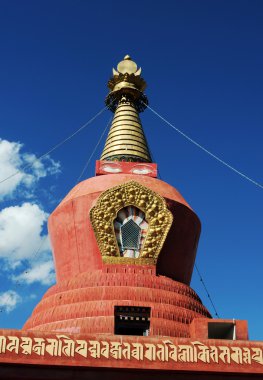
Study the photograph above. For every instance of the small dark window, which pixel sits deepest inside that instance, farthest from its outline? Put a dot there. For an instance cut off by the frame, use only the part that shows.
(132, 320)
(221, 330)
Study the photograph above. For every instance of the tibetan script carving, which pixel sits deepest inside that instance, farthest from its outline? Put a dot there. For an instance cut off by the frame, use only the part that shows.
(164, 351)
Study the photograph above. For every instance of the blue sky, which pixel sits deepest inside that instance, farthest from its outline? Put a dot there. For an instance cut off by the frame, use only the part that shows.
(203, 63)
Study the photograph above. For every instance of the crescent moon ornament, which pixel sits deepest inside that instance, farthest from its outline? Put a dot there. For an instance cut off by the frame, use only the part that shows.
(138, 72)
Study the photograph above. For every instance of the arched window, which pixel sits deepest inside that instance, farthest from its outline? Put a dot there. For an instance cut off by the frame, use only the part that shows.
(130, 229)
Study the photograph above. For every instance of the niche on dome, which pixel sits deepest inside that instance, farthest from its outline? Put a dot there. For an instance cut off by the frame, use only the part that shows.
(130, 228)
(130, 222)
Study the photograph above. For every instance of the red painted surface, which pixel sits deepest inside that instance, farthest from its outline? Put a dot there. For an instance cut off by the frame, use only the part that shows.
(145, 354)
(111, 167)
(199, 328)
(85, 304)
(92, 289)
(74, 244)
(81, 304)
(102, 183)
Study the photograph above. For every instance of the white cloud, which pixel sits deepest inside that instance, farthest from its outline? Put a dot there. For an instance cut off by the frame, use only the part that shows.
(22, 242)
(12, 161)
(42, 272)
(20, 233)
(9, 300)
(24, 246)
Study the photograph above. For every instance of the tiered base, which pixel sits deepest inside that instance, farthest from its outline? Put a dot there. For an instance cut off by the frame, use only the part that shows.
(85, 304)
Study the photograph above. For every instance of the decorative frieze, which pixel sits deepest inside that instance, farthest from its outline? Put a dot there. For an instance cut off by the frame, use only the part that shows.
(162, 351)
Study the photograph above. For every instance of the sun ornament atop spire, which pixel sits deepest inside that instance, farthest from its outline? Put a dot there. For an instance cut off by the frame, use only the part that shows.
(127, 81)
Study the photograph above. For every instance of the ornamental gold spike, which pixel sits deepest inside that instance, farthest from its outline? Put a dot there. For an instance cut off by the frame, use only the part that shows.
(126, 140)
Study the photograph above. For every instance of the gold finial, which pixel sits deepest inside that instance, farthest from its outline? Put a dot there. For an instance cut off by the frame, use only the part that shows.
(126, 140)
(127, 80)
(127, 66)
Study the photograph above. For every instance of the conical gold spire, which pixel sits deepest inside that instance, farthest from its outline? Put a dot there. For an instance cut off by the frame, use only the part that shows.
(126, 140)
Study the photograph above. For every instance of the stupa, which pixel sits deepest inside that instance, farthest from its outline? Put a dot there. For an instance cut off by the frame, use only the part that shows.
(124, 245)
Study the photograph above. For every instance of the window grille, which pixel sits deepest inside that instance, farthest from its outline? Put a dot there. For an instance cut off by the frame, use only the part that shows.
(130, 228)
(130, 235)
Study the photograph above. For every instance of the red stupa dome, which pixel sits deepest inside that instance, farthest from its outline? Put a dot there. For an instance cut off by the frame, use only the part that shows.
(124, 242)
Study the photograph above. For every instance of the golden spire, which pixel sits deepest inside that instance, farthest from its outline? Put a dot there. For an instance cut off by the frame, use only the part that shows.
(126, 140)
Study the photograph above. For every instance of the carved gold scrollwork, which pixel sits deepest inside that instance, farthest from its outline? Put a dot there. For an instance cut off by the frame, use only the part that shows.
(103, 214)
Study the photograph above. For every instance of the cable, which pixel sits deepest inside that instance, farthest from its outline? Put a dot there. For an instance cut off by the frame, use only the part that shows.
(208, 295)
(25, 272)
(94, 150)
(27, 166)
(18, 282)
(38, 250)
(204, 149)
(201, 279)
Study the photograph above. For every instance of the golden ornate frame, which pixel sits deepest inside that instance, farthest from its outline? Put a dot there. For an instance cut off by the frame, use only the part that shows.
(158, 216)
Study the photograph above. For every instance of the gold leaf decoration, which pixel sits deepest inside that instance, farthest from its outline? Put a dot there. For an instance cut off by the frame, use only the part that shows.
(131, 193)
